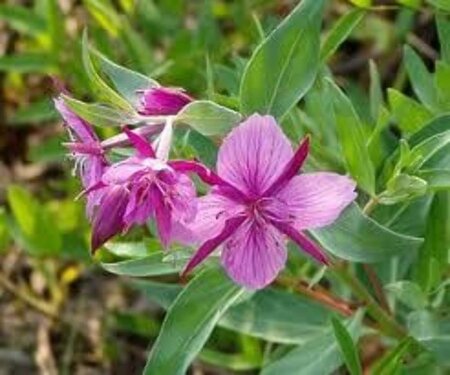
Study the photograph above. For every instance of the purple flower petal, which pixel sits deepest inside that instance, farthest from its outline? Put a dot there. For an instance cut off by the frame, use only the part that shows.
(81, 128)
(163, 216)
(252, 157)
(162, 101)
(317, 199)
(254, 255)
(304, 242)
(108, 220)
(143, 147)
(209, 246)
(291, 169)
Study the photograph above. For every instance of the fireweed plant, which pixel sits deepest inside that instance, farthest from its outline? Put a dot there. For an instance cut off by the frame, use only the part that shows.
(266, 193)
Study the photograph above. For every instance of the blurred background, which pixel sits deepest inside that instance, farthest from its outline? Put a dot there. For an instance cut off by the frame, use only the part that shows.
(59, 311)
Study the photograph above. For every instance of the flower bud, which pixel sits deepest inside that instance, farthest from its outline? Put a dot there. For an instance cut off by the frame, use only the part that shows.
(162, 101)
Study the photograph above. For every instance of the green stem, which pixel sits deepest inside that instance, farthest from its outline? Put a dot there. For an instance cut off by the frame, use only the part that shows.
(387, 324)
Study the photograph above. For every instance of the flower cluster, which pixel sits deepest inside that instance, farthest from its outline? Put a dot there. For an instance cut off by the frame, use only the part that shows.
(257, 200)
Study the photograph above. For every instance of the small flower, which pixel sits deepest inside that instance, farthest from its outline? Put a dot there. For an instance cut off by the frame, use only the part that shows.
(258, 201)
(87, 151)
(162, 101)
(142, 187)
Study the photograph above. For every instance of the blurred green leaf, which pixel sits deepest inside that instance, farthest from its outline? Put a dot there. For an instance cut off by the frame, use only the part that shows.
(433, 255)
(22, 19)
(440, 4)
(340, 31)
(284, 66)
(358, 238)
(408, 293)
(234, 362)
(4, 233)
(353, 140)
(362, 3)
(392, 361)
(33, 113)
(409, 114)
(424, 151)
(376, 91)
(403, 187)
(421, 79)
(319, 355)
(442, 83)
(208, 118)
(105, 15)
(437, 179)
(28, 63)
(126, 81)
(443, 26)
(432, 332)
(37, 227)
(189, 322)
(347, 347)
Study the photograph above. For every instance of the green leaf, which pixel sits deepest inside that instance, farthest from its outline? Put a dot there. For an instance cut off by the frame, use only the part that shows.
(284, 66)
(347, 347)
(126, 81)
(440, 4)
(105, 15)
(98, 114)
(362, 3)
(101, 89)
(403, 187)
(442, 83)
(270, 314)
(443, 26)
(432, 332)
(409, 114)
(353, 140)
(33, 113)
(437, 179)
(4, 233)
(35, 228)
(152, 265)
(376, 92)
(340, 31)
(408, 293)
(421, 79)
(320, 355)
(22, 19)
(190, 320)
(433, 256)
(358, 238)
(424, 151)
(28, 63)
(208, 118)
(391, 362)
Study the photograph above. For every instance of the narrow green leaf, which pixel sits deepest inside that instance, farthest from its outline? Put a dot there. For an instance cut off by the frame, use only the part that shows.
(358, 238)
(425, 150)
(362, 3)
(409, 114)
(320, 355)
(102, 90)
(284, 66)
(33, 113)
(421, 79)
(390, 362)
(152, 265)
(353, 140)
(408, 293)
(347, 347)
(98, 114)
(442, 83)
(22, 19)
(340, 31)
(126, 81)
(208, 118)
(28, 63)
(440, 4)
(376, 92)
(443, 26)
(433, 255)
(105, 15)
(189, 322)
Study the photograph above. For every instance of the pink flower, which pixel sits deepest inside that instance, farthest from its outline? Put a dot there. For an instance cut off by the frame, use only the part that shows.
(142, 187)
(258, 201)
(87, 151)
(162, 101)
